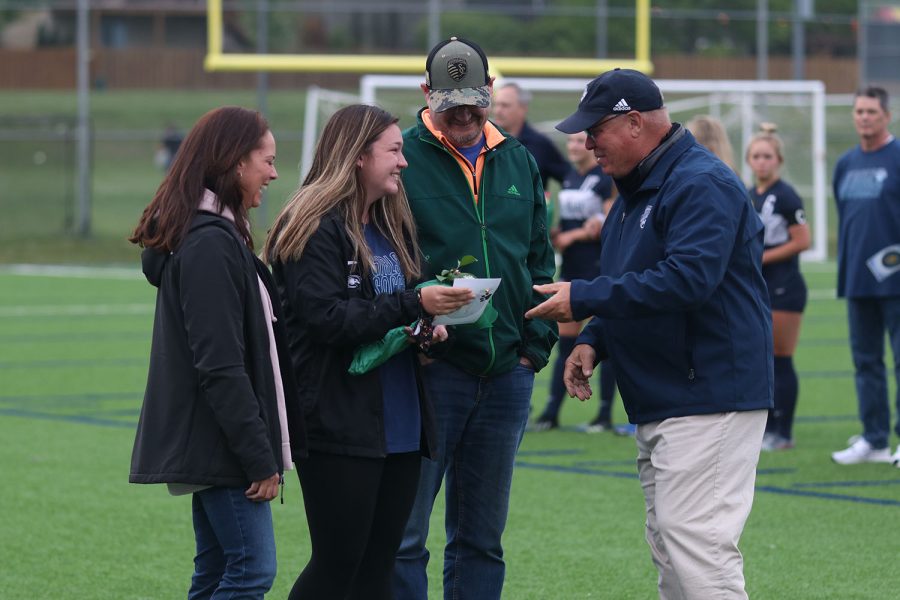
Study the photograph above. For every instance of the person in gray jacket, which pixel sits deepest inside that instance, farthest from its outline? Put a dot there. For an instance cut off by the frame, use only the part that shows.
(681, 310)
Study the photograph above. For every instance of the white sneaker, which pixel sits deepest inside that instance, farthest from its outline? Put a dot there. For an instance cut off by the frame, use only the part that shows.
(862, 451)
(896, 457)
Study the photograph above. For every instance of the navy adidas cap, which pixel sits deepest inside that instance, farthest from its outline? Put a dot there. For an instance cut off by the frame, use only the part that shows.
(614, 92)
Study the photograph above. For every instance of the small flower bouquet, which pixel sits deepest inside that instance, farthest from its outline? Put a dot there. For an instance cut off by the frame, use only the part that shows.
(370, 356)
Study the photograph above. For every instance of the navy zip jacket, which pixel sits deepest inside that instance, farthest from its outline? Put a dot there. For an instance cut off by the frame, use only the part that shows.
(681, 306)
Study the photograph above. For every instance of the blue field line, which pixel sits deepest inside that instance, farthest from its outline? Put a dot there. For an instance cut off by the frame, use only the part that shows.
(576, 470)
(776, 471)
(605, 463)
(62, 363)
(69, 401)
(581, 470)
(79, 419)
(550, 452)
(871, 483)
(122, 412)
(825, 496)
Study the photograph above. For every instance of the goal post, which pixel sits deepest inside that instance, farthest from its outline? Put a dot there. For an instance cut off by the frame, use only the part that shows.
(219, 60)
(797, 107)
(320, 104)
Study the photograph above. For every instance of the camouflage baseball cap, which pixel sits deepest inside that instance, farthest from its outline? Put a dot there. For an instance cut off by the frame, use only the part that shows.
(456, 73)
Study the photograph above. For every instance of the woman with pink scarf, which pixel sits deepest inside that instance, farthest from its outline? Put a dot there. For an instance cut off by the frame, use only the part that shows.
(220, 418)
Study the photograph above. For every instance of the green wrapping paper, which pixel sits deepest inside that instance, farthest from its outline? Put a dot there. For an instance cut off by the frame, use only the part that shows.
(375, 354)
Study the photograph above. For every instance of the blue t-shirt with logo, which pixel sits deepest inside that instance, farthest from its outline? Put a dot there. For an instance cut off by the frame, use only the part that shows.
(400, 396)
(867, 192)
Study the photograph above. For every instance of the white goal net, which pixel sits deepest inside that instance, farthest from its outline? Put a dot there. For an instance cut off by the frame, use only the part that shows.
(797, 107)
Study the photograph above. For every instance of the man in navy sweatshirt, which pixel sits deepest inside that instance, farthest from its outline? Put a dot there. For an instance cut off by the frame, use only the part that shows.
(681, 310)
(867, 192)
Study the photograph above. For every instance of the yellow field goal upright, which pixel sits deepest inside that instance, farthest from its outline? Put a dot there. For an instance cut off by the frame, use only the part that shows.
(217, 60)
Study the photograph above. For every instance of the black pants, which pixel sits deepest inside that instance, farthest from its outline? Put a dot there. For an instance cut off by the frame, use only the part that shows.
(357, 509)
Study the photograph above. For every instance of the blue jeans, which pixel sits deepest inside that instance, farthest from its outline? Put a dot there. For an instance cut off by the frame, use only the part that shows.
(481, 421)
(868, 319)
(235, 546)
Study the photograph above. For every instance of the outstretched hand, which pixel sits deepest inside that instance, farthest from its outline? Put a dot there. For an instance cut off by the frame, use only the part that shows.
(557, 307)
(579, 368)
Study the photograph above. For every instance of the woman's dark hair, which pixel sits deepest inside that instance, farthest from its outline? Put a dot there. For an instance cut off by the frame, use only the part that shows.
(208, 158)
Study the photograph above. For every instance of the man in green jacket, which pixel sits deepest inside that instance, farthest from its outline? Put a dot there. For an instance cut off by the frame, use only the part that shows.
(474, 191)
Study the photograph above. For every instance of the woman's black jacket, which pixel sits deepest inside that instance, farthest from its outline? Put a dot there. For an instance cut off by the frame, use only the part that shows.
(210, 414)
(332, 309)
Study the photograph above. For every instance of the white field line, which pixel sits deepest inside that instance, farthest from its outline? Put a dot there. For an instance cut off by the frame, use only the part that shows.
(76, 310)
(71, 271)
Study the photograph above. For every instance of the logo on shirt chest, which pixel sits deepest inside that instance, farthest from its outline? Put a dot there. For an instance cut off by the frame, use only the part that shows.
(646, 215)
(353, 280)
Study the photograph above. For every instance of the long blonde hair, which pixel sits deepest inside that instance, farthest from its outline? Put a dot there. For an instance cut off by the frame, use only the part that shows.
(333, 182)
(710, 132)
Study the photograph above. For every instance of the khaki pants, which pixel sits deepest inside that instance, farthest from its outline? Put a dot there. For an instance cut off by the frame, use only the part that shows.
(698, 475)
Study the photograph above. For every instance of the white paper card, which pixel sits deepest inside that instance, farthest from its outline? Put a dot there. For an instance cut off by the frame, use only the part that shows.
(484, 290)
(885, 262)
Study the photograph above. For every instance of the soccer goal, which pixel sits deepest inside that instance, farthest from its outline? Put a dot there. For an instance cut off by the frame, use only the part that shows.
(321, 103)
(796, 107)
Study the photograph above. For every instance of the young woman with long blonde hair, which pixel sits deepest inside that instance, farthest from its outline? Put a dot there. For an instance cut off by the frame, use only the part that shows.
(344, 254)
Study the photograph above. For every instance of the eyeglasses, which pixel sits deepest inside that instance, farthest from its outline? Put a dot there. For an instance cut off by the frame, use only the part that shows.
(590, 131)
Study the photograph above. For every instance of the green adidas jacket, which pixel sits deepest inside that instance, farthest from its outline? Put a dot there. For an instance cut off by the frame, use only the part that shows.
(506, 231)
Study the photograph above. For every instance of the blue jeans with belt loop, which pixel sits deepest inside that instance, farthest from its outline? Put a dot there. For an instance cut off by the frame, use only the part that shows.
(481, 421)
(235, 546)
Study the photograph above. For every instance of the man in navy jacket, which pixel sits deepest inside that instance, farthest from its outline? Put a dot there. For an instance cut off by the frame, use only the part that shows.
(681, 310)
(510, 111)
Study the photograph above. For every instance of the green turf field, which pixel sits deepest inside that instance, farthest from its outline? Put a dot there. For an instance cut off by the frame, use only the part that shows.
(73, 358)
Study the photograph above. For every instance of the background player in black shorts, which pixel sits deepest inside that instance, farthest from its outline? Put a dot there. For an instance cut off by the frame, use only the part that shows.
(583, 203)
(787, 235)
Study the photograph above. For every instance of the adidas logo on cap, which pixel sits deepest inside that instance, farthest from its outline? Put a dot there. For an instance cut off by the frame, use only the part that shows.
(607, 95)
(621, 106)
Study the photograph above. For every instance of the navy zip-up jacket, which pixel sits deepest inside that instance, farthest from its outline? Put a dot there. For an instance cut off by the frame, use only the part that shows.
(681, 306)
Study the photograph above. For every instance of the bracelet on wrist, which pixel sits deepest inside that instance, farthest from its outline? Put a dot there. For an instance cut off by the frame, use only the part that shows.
(422, 311)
